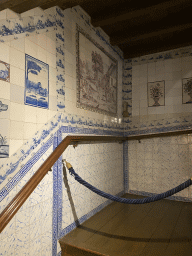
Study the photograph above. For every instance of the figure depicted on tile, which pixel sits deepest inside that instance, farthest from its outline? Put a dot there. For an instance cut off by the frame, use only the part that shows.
(187, 90)
(36, 82)
(4, 71)
(4, 148)
(3, 107)
(156, 94)
(97, 76)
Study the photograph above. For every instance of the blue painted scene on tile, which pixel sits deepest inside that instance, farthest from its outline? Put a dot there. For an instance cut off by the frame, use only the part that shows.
(4, 148)
(36, 82)
(3, 107)
(4, 71)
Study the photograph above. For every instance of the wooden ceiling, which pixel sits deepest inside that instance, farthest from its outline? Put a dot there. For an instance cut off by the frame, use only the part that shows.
(137, 27)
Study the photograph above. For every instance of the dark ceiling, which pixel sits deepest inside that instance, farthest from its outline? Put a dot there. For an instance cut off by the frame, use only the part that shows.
(137, 27)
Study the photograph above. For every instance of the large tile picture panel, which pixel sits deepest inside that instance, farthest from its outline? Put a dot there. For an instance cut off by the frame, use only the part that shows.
(156, 94)
(96, 76)
(187, 90)
(36, 82)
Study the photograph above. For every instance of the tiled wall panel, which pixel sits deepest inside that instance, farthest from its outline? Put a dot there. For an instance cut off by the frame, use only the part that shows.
(157, 165)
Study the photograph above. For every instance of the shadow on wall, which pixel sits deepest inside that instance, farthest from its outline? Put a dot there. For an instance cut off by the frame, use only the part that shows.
(70, 197)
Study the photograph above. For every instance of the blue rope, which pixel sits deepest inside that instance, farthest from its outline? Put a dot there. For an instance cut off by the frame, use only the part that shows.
(126, 200)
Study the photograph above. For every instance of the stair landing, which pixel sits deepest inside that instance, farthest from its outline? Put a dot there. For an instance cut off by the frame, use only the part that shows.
(160, 228)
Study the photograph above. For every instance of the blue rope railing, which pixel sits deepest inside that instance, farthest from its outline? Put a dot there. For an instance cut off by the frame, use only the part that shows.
(127, 200)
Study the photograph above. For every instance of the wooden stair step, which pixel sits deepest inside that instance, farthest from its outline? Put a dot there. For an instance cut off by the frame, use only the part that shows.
(71, 250)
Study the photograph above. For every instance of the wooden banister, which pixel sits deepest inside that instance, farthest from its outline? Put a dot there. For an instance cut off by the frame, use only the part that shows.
(12, 208)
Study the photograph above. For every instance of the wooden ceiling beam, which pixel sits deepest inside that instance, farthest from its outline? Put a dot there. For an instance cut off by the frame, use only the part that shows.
(152, 11)
(132, 51)
(20, 5)
(158, 33)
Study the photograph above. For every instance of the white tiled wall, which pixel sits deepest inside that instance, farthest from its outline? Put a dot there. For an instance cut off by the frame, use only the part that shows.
(25, 120)
(30, 230)
(172, 71)
(101, 165)
(71, 18)
(160, 164)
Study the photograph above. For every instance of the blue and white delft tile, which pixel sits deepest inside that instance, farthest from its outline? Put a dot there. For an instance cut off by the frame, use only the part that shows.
(17, 28)
(5, 32)
(29, 26)
(12, 163)
(40, 23)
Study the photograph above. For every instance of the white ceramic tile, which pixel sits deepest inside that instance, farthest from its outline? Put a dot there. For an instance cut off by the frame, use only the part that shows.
(17, 76)
(31, 114)
(70, 95)
(22, 238)
(29, 130)
(14, 145)
(19, 44)
(51, 60)
(17, 94)
(5, 127)
(3, 15)
(160, 67)
(31, 48)
(17, 58)
(176, 64)
(42, 115)
(9, 229)
(16, 130)
(4, 52)
(11, 14)
(51, 47)
(42, 40)
(53, 103)
(7, 245)
(70, 82)
(4, 90)
(35, 247)
(16, 112)
(22, 219)
(41, 54)
(168, 65)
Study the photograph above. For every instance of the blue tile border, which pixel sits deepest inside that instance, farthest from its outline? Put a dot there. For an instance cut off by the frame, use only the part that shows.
(55, 201)
(24, 170)
(147, 194)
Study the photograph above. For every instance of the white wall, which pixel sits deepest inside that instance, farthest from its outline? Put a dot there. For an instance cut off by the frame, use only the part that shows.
(157, 165)
(30, 231)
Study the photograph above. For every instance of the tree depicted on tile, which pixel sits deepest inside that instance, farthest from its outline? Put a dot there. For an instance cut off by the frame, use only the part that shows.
(156, 93)
(187, 90)
(36, 82)
(4, 148)
(4, 71)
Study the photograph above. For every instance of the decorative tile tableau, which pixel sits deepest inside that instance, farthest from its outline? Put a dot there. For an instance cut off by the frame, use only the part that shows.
(36, 82)
(156, 94)
(96, 76)
(187, 90)
(4, 71)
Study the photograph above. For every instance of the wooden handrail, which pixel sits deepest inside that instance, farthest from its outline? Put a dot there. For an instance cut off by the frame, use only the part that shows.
(12, 208)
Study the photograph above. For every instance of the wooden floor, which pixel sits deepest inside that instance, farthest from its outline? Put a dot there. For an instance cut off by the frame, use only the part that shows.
(160, 228)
